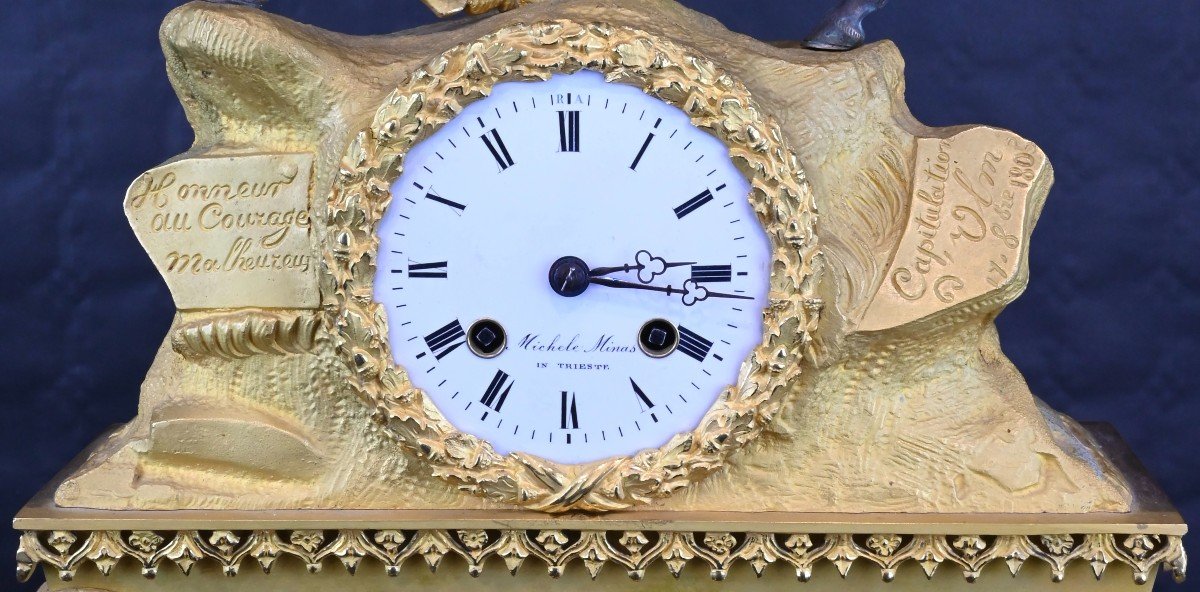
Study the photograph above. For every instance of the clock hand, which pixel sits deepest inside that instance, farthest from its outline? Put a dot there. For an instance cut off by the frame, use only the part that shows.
(693, 293)
(611, 283)
(602, 271)
(648, 267)
(569, 276)
(722, 295)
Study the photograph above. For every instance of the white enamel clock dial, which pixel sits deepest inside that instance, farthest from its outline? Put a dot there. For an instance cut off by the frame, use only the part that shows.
(571, 269)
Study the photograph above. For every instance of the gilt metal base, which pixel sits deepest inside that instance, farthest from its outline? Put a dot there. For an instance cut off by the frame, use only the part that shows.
(467, 550)
(452, 577)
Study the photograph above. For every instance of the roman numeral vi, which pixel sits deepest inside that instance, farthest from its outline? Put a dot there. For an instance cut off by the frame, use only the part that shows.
(570, 414)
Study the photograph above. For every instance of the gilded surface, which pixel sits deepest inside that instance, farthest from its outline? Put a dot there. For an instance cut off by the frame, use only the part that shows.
(245, 334)
(632, 552)
(907, 403)
(229, 231)
(970, 217)
(439, 91)
(445, 8)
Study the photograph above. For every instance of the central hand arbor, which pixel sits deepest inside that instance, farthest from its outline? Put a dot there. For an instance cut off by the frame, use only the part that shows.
(570, 276)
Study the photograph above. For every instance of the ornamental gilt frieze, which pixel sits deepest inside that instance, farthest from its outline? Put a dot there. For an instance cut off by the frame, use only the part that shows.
(585, 284)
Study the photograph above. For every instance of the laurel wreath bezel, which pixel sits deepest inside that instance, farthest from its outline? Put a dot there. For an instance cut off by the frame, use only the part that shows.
(436, 93)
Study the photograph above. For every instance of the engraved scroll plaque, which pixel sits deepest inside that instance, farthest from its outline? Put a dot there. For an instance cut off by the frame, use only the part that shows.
(967, 224)
(879, 424)
(230, 231)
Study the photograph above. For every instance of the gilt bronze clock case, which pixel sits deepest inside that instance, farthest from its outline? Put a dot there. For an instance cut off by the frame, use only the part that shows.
(715, 102)
(876, 436)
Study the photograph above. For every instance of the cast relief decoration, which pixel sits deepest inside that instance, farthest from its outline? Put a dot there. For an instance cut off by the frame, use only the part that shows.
(245, 334)
(934, 420)
(967, 223)
(632, 551)
(715, 102)
(229, 231)
(444, 8)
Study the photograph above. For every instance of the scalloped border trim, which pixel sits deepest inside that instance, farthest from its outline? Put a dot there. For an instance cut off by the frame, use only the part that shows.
(631, 551)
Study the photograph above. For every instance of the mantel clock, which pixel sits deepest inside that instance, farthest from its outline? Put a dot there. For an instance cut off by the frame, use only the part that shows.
(572, 303)
(598, 285)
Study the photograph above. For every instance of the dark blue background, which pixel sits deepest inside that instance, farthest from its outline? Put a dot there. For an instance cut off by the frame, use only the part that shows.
(1107, 330)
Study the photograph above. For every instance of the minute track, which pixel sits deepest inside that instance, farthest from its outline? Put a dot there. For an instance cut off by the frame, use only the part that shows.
(604, 195)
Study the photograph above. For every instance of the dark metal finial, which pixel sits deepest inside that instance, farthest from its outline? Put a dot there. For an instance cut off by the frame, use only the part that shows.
(842, 28)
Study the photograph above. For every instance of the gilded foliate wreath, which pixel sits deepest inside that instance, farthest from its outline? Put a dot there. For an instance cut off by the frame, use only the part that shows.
(434, 95)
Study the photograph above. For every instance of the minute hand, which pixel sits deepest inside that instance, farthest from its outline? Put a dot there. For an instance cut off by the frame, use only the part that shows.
(724, 295)
(611, 283)
(691, 292)
(694, 292)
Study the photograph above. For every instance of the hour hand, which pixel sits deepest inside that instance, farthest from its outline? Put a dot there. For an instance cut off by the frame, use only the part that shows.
(648, 267)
